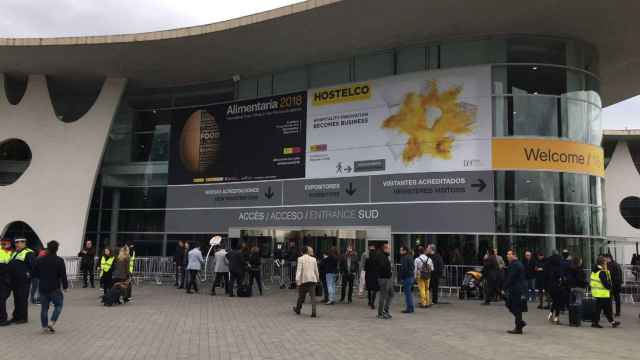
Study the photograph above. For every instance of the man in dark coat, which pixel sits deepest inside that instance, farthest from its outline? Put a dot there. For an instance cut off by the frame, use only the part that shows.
(616, 281)
(178, 258)
(490, 274)
(87, 263)
(436, 274)
(515, 287)
(236, 268)
(349, 270)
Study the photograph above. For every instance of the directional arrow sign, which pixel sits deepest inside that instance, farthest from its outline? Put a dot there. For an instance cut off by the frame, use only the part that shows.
(269, 194)
(480, 185)
(351, 190)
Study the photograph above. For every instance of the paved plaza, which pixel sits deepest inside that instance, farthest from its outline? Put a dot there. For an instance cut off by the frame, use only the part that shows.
(163, 323)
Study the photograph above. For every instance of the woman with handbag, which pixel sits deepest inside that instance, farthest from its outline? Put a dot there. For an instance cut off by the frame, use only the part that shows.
(307, 277)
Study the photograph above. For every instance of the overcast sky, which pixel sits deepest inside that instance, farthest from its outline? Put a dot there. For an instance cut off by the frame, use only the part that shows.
(48, 18)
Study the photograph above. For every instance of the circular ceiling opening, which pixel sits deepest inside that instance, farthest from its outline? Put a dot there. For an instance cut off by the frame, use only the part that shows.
(630, 210)
(15, 157)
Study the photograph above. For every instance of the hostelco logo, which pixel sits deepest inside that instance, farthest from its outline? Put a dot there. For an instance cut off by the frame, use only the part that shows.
(342, 94)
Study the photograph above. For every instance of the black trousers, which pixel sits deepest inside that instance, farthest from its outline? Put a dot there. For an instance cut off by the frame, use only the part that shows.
(193, 281)
(347, 283)
(88, 272)
(221, 277)
(515, 308)
(236, 281)
(434, 285)
(371, 296)
(180, 276)
(258, 277)
(615, 294)
(603, 304)
(325, 288)
(4, 295)
(21, 300)
(303, 290)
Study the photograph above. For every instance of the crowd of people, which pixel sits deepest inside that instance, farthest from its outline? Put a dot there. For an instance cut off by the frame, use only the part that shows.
(559, 283)
(316, 277)
(236, 271)
(24, 272)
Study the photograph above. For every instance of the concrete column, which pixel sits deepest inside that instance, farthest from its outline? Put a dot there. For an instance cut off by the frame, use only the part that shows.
(115, 211)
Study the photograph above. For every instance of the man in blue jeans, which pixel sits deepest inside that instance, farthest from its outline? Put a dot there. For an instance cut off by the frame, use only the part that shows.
(407, 278)
(51, 271)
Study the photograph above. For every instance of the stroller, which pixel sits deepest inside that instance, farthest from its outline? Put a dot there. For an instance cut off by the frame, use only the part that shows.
(471, 286)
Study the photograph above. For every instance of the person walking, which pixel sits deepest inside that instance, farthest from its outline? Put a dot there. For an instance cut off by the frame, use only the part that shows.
(106, 269)
(221, 268)
(178, 259)
(529, 268)
(515, 288)
(307, 277)
(407, 278)
(322, 265)
(362, 280)
(87, 264)
(331, 269)
(349, 271)
(490, 275)
(51, 271)
(556, 282)
(292, 255)
(436, 274)
(6, 252)
(383, 268)
(193, 267)
(20, 270)
(255, 269)
(35, 292)
(616, 282)
(132, 263)
(371, 277)
(540, 279)
(236, 269)
(601, 291)
(576, 283)
(423, 266)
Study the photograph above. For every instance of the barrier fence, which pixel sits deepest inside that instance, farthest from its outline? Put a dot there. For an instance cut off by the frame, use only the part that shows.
(162, 270)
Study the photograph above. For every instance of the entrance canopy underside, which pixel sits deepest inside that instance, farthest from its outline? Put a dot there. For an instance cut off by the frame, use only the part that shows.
(318, 30)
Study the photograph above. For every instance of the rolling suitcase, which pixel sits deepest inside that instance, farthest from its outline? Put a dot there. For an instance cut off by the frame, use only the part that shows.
(575, 315)
(588, 309)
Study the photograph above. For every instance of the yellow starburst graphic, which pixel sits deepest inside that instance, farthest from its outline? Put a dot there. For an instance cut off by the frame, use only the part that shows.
(413, 120)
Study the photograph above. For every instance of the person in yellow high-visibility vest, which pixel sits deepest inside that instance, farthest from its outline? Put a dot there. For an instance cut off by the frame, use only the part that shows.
(6, 252)
(601, 292)
(132, 260)
(106, 269)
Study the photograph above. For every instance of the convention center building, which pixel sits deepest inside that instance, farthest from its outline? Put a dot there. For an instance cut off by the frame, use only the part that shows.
(324, 123)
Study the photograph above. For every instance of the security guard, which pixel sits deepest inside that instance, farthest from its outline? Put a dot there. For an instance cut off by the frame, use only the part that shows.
(601, 291)
(20, 268)
(106, 264)
(6, 251)
(132, 261)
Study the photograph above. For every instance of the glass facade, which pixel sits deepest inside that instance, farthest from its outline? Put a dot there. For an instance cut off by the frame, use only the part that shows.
(541, 87)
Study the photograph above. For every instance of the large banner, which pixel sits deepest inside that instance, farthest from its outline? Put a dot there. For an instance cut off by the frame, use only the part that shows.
(411, 152)
(421, 122)
(258, 139)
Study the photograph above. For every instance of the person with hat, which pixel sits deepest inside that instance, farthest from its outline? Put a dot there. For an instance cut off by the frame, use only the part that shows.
(20, 269)
(6, 251)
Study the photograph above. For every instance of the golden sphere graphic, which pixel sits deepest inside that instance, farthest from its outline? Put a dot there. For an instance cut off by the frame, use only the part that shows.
(199, 141)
